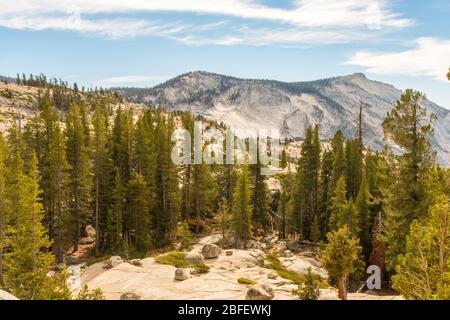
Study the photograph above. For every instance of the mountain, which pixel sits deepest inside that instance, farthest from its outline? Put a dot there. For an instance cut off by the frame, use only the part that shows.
(7, 79)
(291, 107)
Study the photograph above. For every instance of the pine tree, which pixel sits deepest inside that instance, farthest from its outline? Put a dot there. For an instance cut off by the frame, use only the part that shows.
(354, 165)
(306, 193)
(423, 271)
(409, 127)
(283, 210)
(325, 190)
(102, 173)
(224, 219)
(80, 174)
(55, 179)
(122, 138)
(137, 207)
(116, 215)
(33, 140)
(338, 205)
(167, 207)
(315, 232)
(378, 247)
(29, 259)
(339, 160)
(203, 193)
(242, 212)
(226, 182)
(185, 235)
(4, 203)
(284, 159)
(362, 203)
(260, 199)
(341, 257)
(187, 120)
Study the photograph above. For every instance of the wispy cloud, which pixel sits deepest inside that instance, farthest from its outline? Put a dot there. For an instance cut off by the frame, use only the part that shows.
(305, 22)
(131, 79)
(430, 57)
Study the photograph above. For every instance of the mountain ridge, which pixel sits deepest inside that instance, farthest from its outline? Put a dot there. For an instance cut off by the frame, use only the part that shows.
(333, 103)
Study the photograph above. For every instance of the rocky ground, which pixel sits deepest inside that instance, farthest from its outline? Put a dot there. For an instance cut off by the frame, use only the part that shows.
(148, 279)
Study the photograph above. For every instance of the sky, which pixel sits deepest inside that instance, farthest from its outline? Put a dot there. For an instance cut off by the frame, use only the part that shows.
(142, 43)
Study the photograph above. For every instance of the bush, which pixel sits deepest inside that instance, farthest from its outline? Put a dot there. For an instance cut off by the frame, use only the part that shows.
(185, 235)
(276, 265)
(201, 268)
(173, 258)
(176, 259)
(86, 294)
(246, 281)
(310, 288)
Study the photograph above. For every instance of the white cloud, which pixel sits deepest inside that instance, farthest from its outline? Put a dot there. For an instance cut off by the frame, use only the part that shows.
(131, 79)
(306, 21)
(430, 57)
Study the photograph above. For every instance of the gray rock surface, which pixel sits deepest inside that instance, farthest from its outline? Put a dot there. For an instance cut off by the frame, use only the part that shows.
(260, 292)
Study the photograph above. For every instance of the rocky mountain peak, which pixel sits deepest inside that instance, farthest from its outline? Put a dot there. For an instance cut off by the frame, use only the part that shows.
(290, 106)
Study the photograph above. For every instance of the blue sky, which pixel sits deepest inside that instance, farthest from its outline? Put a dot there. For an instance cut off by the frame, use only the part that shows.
(144, 42)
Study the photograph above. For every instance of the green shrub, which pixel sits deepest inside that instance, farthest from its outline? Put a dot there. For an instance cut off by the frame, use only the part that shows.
(86, 294)
(246, 281)
(310, 288)
(173, 258)
(282, 271)
(201, 268)
(185, 236)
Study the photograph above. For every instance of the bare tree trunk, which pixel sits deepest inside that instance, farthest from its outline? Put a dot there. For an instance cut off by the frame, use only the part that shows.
(342, 289)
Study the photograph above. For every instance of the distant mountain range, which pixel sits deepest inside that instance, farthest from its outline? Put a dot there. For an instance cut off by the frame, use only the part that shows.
(291, 107)
(8, 79)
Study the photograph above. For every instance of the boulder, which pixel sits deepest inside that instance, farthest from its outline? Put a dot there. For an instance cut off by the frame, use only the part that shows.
(288, 253)
(229, 253)
(210, 251)
(90, 231)
(293, 245)
(260, 246)
(181, 274)
(130, 296)
(112, 262)
(136, 262)
(260, 292)
(250, 244)
(260, 261)
(272, 275)
(7, 296)
(194, 258)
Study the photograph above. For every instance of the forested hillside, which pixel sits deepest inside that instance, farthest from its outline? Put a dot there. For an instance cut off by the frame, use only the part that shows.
(86, 157)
